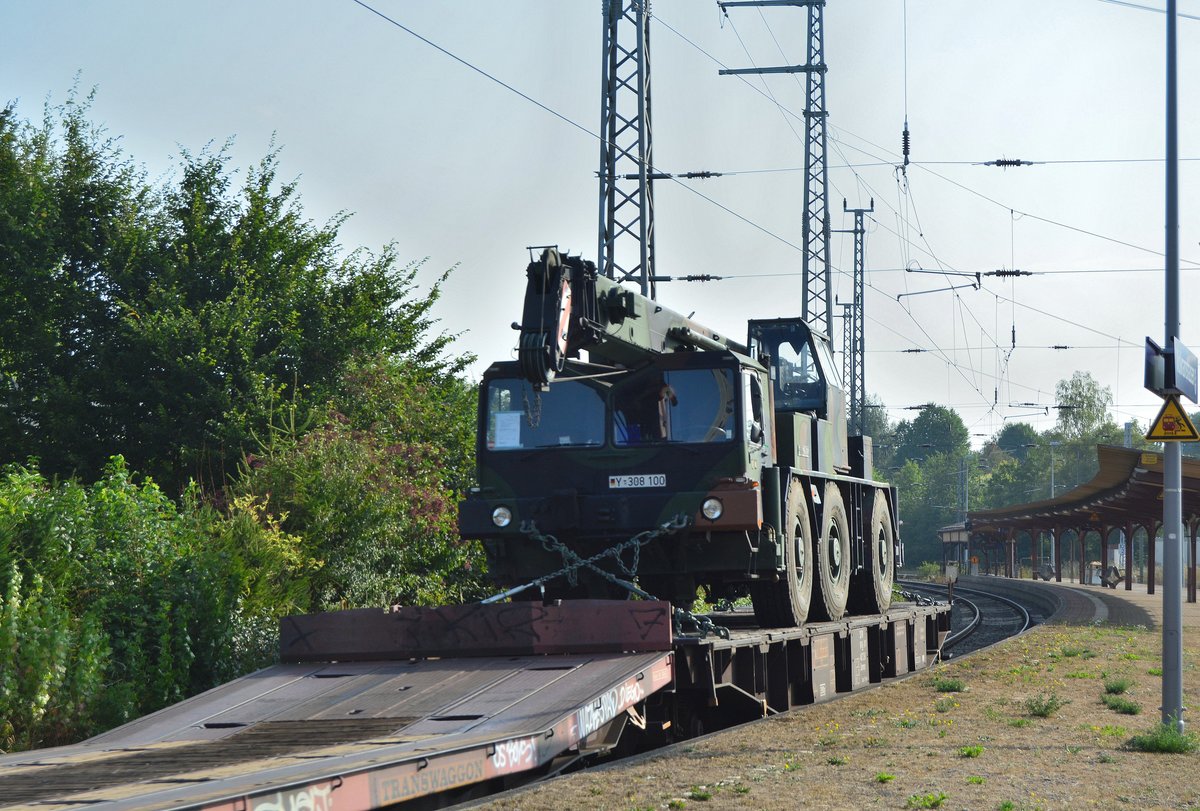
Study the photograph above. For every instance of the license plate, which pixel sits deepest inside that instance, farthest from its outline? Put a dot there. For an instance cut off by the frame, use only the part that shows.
(637, 480)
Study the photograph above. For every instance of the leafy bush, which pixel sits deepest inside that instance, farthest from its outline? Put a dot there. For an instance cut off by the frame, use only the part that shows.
(1044, 706)
(1165, 738)
(372, 491)
(1121, 704)
(1117, 686)
(944, 684)
(115, 602)
(930, 570)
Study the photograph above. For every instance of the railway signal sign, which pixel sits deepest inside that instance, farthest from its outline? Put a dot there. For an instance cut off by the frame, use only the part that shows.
(1172, 424)
(1173, 370)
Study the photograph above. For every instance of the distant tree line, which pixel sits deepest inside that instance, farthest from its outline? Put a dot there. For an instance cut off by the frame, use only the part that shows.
(211, 415)
(939, 474)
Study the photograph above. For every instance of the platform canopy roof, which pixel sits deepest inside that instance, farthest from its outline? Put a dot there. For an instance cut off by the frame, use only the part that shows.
(1127, 489)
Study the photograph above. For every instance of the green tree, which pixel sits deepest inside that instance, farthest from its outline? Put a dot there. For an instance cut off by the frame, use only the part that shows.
(877, 426)
(929, 500)
(1083, 407)
(935, 430)
(163, 323)
(1014, 470)
(373, 490)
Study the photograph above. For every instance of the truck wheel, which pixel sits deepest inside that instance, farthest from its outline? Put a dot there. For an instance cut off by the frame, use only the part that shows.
(831, 554)
(871, 589)
(785, 603)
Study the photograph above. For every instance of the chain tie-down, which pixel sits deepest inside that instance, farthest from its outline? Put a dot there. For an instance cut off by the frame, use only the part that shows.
(685, 622)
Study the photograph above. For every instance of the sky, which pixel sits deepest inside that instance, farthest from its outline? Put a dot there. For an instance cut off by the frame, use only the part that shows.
(460, 172)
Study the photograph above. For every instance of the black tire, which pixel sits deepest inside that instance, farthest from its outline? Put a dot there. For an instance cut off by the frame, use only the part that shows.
(785, 603)
(831, 556)
(871, 588)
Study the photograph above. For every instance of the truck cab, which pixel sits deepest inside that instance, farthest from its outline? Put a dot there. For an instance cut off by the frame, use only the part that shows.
(596, 459)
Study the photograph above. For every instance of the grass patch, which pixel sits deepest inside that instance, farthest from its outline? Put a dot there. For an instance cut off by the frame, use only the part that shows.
(931, 800)
(976, 780)
(1044, 706)
(973, 751)
(699, 794)
(1165, 738)
(1121, 704)
(948, 685)
(884, 777)
(1082, 653)
(837, 760)
(945, 704)
(1155, 671)
(1114, 687)
(1019, 723)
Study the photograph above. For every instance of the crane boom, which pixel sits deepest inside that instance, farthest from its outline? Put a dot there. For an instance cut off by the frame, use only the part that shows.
(570, 307)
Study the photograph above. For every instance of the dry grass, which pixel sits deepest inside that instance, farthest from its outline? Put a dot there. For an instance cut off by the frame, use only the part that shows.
(907, 745)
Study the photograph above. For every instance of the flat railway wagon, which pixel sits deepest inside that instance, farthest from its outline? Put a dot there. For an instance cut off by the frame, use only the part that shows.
(427, 707)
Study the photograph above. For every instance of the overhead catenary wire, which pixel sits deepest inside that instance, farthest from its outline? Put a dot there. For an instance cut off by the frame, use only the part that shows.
(885, 162)
(746, 220)
(927, 248)
(1141, 7)
(900, 217)
(882, 163)
(771, 96)
(861, 181)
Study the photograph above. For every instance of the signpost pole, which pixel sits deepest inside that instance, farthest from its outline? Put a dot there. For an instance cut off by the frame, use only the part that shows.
(1172, 684)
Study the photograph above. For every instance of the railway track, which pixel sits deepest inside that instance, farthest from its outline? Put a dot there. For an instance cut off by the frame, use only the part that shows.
(978, 619)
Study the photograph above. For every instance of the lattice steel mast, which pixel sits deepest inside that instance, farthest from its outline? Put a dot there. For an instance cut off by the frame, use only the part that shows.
(817, 305)
(626, 249)
(854, 342)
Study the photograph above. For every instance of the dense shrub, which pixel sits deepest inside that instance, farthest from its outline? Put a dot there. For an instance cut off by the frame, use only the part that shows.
(206, 331)
(373, 490)
(116, 602)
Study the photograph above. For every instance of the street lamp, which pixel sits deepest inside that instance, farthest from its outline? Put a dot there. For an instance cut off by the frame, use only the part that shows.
(1053, 444)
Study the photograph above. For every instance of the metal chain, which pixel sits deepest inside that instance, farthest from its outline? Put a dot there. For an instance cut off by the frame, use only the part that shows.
(572, 563)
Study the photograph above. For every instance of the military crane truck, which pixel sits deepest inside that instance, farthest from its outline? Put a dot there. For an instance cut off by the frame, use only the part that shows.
(669, 456)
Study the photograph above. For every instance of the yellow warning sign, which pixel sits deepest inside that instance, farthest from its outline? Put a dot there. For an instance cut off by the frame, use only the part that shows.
(1172, 424)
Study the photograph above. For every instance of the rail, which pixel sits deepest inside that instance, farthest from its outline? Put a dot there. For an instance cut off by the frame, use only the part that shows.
(976, 621)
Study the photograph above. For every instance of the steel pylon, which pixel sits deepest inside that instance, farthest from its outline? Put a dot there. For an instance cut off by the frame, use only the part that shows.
(816, 291)
(854, 340)
(626, 249)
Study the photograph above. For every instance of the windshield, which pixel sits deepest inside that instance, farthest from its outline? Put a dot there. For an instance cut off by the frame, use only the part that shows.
(571, 413)
(687, 405)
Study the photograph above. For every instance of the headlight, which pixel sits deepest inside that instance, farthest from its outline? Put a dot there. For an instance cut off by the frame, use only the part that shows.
(502, 516)
(712, 508)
